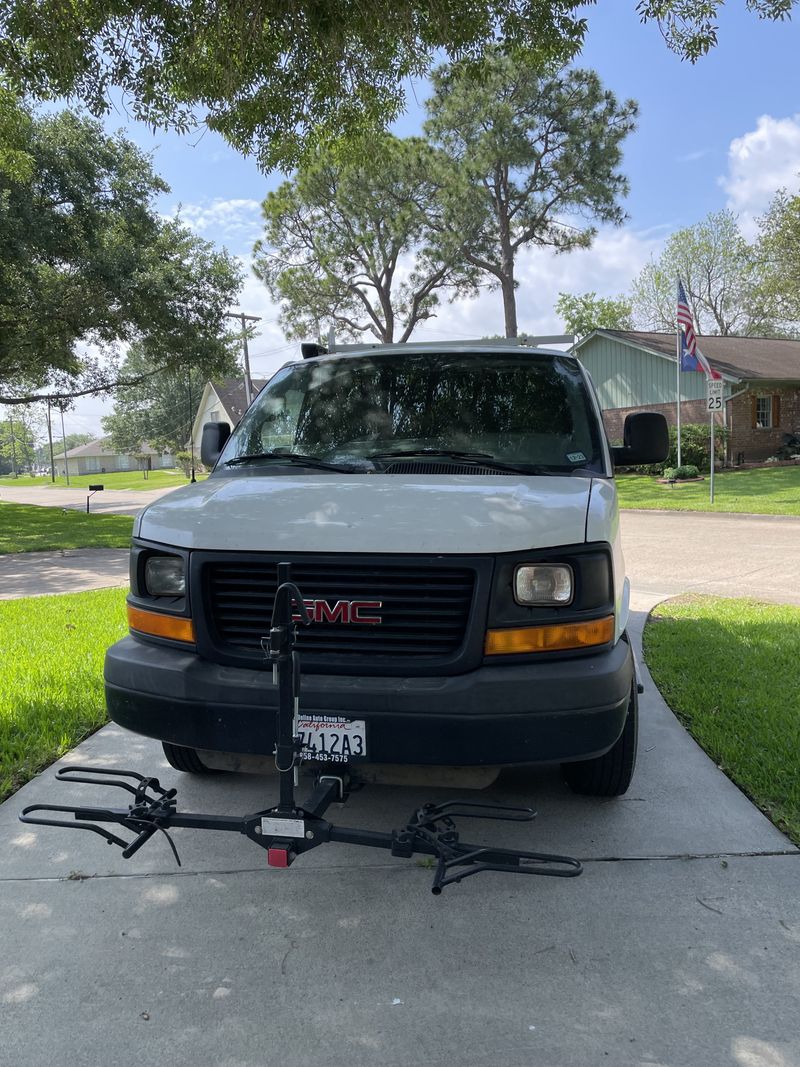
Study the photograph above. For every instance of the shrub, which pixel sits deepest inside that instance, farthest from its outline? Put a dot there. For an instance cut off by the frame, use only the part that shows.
(687, 470)
(185, 462)
(695, 448)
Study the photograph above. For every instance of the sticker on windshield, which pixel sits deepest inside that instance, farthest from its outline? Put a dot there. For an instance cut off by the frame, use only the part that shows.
(576, 457)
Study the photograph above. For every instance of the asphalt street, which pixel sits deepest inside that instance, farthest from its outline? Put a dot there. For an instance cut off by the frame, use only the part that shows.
(679, 945)
(109, 501)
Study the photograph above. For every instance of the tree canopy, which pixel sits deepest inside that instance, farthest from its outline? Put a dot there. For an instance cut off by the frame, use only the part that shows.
(348, 243)
(584, 312)
(536, 155)
(779, 260)
(87, 263)
(276, 79)
(720, 274)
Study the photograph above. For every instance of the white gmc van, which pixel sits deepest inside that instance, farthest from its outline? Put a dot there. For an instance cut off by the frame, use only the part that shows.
(450, 515)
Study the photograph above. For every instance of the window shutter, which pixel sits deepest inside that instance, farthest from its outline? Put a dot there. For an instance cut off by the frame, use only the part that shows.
(776, 410)
(753, 422)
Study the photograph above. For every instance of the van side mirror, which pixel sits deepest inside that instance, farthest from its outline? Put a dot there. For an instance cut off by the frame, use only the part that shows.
(646, 440)
(215, 434)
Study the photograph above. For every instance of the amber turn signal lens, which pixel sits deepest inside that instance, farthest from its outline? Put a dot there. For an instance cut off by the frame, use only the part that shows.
(554, 638)
(175, 627)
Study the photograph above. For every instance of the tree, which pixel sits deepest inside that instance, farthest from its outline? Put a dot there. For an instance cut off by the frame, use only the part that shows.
(778, 252)
(276, 79)
(585, 312)
(347, 243)
(536, 154)
(160, 410)
(719, 271)
(18, 439)
(690, 28)
(87, 260)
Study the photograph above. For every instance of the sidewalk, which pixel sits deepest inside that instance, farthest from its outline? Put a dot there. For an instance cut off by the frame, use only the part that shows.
(68, 571)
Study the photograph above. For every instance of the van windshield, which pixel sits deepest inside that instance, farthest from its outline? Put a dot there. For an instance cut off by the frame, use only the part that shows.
(521, 409)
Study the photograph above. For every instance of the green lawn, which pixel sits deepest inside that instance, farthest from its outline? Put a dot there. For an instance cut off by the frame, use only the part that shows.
(118, 480)
(761, 491)
(51, 683)
(29, 528)
(730, 670)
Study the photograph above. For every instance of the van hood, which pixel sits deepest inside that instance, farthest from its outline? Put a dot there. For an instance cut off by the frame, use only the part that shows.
(371, 513)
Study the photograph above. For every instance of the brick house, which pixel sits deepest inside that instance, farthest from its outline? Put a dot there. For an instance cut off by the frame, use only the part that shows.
(635, 371)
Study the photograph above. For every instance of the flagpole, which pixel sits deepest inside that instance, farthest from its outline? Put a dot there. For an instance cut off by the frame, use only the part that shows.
(678, 384)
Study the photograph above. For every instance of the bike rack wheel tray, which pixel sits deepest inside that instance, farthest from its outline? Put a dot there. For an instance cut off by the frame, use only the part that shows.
(288, 829)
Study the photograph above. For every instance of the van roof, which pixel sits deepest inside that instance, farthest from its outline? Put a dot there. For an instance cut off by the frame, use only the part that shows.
(499, 345)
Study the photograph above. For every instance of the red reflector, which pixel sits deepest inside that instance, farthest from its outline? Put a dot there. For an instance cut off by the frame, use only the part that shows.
(278, 857)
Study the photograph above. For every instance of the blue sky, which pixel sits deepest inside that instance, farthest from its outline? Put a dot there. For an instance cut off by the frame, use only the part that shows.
(725, 132)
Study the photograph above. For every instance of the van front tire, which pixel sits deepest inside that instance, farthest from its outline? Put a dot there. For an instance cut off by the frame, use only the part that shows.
(609, 775)
(185, 759)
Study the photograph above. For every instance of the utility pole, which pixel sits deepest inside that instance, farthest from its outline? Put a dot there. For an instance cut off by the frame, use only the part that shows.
(13, 446)
(191, 420)
(50, 441)
(244, 319)
(64, 443)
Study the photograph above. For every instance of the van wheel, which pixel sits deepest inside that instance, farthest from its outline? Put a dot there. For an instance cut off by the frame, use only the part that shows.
(609, 775)
(185, 759)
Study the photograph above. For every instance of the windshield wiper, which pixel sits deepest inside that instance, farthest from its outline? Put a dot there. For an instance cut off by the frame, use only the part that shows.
(454, 453)
(470, 457)
(296, 458)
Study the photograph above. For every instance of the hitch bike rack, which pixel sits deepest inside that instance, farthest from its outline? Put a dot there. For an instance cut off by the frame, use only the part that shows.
(288, 829)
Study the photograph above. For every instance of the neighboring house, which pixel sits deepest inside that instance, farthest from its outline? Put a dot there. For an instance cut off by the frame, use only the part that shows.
(97, 457)
(223, 402)
(635, 371)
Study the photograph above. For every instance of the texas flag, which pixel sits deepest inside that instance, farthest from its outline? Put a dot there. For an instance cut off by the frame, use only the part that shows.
(691, 356)
(696, 360)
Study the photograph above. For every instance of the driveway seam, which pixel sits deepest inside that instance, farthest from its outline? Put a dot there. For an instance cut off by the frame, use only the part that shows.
(214, 872)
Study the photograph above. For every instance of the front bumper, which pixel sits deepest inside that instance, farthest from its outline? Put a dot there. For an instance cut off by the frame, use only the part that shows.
(506, 714)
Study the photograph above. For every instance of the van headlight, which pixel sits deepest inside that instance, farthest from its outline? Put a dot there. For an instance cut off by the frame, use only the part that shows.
(165, 576)
(543, 584)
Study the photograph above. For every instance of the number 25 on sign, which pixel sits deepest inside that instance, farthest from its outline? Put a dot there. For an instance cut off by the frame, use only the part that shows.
(714, 394)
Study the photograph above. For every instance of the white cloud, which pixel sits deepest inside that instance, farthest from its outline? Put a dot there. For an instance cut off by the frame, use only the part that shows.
(236, 222)
(607, 268)
(760, 162)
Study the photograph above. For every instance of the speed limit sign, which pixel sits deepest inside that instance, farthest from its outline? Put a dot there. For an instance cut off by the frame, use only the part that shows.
(714, 388)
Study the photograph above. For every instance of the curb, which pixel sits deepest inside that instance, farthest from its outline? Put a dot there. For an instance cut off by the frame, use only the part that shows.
(716, 514)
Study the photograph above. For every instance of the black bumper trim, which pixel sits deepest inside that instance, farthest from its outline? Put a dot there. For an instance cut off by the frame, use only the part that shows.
(514, 714)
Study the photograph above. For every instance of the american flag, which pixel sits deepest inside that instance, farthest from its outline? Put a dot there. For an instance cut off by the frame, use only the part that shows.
(691, 356)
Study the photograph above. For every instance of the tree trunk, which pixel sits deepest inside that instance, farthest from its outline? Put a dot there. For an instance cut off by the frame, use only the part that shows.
(509, 300)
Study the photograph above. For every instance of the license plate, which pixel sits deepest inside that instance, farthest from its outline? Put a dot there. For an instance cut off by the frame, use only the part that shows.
(331, 739)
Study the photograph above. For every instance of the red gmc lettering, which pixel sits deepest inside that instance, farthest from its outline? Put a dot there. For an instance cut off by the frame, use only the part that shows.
(357, 606)
(321, 611)
(344, 611)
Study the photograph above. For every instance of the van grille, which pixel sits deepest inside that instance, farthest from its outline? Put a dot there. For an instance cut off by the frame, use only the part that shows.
(425, 609)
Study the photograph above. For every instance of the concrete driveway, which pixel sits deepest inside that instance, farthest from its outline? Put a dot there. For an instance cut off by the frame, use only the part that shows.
(679, 945)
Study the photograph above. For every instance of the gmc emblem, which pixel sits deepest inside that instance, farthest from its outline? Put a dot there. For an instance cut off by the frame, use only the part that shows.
(345, 611)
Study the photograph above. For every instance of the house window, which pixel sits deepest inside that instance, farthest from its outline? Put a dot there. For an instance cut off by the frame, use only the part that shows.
(763, 412)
